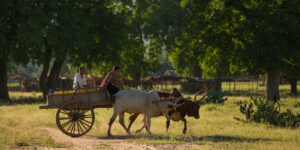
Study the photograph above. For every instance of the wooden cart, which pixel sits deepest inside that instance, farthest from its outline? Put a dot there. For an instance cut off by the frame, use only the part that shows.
(75, 115)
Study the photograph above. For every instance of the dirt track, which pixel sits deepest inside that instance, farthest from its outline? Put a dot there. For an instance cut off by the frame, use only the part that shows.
(91, 143)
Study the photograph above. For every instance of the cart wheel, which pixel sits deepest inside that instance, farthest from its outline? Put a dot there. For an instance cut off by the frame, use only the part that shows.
(75, 118)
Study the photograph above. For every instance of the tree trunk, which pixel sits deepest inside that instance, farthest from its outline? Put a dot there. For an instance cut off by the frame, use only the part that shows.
(293, 83)
(3, 79)
(43, 77)
(273, 80)
(43, 80)
(219, 81)
(54, 74)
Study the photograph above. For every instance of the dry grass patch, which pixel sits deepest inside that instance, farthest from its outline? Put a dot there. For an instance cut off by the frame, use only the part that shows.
(22, 125)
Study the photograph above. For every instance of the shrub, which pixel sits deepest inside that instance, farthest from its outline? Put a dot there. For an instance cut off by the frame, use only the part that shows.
(215, 97)
(261, 110)
(297, 105)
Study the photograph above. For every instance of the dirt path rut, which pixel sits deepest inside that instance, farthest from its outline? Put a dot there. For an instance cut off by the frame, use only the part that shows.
(91, 143)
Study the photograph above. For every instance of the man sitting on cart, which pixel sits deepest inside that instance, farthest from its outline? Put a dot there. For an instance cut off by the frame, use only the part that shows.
(110, 81)
(80, 79)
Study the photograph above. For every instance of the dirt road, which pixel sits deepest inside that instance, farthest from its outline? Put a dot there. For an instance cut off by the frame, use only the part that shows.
(92, 143)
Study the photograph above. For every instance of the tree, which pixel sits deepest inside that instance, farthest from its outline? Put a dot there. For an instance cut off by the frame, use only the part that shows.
(199, 39)
(131, 51)
(268, 40)
(236, 36)
(17, 17)
(164, 27)
(63, 29)
(247, 36)
(292, 73)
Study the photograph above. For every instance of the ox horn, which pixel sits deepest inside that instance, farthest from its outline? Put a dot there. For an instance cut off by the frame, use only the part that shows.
(198, 93)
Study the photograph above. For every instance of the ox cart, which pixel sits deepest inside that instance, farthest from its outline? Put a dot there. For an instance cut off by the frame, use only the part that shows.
(75, 115)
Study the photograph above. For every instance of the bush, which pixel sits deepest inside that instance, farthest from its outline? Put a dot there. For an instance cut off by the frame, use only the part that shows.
(215, 97)
(261, 110)
(297, 105)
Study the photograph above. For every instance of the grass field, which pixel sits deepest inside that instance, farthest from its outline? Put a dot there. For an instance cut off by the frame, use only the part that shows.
(23, 125)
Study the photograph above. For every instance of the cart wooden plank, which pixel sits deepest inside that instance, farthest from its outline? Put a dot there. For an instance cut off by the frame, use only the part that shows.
(94, 99)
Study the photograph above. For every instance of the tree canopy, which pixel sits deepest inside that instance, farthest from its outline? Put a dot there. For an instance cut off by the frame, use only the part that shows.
(201, 38)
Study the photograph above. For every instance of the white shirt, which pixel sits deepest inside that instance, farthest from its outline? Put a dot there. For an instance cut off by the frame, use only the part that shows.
(81, 81)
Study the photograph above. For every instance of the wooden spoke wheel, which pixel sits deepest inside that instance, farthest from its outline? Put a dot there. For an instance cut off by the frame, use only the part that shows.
(75, 118)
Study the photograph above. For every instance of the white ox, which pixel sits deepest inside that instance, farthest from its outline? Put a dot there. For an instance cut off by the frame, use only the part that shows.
(136, 101)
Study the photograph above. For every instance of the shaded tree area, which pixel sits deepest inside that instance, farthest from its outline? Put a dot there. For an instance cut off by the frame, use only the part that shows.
(228, 37)
(201, 38)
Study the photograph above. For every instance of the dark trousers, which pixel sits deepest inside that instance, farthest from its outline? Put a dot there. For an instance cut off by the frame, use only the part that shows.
(112, 90)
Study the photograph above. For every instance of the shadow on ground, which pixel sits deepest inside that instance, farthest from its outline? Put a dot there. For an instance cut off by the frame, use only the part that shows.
(23, 100)
(188, 139)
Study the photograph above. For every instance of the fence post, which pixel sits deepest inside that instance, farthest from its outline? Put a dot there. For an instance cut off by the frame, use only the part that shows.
(229, 87)
(257, 86)
(234, 86)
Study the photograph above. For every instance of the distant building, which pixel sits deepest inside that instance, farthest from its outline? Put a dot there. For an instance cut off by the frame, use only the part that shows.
(170, 73)
(152, 74)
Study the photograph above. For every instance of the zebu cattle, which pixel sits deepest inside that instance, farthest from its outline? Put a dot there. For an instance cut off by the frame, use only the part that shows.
(136, 101)
(170, 96)
(187, 107)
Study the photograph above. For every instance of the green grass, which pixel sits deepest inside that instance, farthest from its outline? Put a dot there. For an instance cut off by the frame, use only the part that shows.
(22, 125)
(14, 84)
(216, 128)
(22, 95)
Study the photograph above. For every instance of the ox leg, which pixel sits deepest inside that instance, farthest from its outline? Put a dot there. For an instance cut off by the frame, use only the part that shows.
(184, 129)
(149, 123)
(144, 120)
(111, 121)
(121, 121)
(132, 119)
(145, 123)
(168, 117)
(167, 125)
